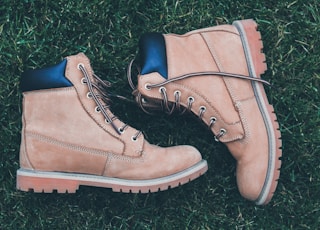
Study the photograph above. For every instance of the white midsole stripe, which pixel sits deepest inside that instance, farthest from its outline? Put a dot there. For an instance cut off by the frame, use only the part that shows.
(266, 117)
(115, 181)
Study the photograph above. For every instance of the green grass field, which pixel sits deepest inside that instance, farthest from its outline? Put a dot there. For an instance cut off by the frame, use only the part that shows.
(35, 34)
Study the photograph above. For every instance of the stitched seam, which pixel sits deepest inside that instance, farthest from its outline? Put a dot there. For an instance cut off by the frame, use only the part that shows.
(212, 52)
(80, 148)
(141, 158)
(228, 87)
(244, 122)
(66, 145)
(210, 29)
(23, 141)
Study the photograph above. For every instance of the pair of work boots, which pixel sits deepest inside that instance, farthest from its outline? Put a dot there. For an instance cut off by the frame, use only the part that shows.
(71, 138)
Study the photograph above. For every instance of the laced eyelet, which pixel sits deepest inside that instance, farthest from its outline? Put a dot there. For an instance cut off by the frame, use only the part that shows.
(147, 86)
(202, 109)
(80, 64)
(135, 137)
(89, 95)
(213, 120)
(106, 121)
(121, 130)
(97, 109)
(190, 99)
(190, 102)
(177, 94)
(83, 81)
(221, 134)
(162, 89)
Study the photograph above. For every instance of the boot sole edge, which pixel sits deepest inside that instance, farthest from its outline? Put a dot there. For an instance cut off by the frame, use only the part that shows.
(61, 182)
(253, 45)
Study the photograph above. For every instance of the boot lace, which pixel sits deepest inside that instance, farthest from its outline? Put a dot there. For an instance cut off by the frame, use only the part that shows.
(170, 107)
(98, 92)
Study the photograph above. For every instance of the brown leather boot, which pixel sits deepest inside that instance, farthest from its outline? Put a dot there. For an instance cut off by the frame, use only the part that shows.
(70, 138)
(215, 73)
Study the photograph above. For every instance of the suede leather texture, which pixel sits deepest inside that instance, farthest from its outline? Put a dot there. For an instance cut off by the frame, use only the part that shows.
(231, 101)
(62, 132)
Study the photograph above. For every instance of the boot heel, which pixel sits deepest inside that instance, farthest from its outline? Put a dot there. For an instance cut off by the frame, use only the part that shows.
(252, 39)
(27, 182)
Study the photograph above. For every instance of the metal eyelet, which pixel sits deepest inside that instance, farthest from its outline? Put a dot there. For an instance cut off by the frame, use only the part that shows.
(190, 99)
(202, 109)
(147, 86)
(190, 102)
(83, 81)
(80, 64)
(213, 120)
(162, 89)
(97, 109)
(89, 95)
(221, 134)
(135, 137)
(121, 130)
(177, 92)
(177, 96)
(106, 121)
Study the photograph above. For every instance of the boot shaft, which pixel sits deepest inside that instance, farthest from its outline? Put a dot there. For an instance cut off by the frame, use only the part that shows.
(60, 110)
(215, 74)
(206, 72)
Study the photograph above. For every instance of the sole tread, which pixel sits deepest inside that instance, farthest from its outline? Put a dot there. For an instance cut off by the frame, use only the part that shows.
(255, 45)
(48, 182)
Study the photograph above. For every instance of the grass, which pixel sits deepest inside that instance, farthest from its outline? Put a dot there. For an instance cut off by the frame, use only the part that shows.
(34, 34)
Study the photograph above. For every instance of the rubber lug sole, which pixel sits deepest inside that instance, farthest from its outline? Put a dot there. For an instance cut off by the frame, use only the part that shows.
(48, 182)
(251, 39)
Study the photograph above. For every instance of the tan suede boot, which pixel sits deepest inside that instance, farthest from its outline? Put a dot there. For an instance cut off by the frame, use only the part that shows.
(215, 73)
(70, 138)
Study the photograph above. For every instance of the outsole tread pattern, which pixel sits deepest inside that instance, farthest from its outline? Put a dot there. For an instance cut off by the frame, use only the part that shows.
(49, 185)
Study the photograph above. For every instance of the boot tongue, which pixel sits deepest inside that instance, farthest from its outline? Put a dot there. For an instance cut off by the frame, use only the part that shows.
(153, 55)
